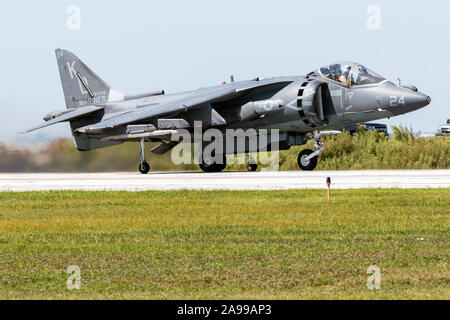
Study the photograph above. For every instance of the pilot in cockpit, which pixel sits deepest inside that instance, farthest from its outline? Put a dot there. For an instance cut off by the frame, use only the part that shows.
(350, 74)
(345, 72)
(335, 71)
(338, 75)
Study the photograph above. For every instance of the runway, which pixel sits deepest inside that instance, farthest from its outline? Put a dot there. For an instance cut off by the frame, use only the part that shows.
(265, 180)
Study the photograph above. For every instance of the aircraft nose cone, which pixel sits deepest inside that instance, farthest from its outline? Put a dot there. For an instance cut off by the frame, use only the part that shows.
(417, 100)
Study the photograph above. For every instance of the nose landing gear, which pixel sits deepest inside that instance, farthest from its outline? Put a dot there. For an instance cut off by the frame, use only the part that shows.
(144, 167)
(307, 159)
(305, 162)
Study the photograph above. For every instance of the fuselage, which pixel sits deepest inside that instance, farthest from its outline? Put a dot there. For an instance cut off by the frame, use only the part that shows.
(342, 105)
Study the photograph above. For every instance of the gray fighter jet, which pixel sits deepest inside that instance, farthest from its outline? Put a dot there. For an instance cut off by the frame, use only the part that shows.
(300, 107)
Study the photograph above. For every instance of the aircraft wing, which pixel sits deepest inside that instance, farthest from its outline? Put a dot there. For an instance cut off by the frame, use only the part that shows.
(198, 99)
(70, 115)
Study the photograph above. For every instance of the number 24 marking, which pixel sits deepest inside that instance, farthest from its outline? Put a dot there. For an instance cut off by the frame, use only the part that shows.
(395, 101)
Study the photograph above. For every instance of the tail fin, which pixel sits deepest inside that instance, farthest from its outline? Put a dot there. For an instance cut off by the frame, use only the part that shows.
(82, 87)
(80, 84)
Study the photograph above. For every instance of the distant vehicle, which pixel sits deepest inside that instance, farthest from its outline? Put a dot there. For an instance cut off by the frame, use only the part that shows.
(444, 130)
(427, 135)
(367, 126)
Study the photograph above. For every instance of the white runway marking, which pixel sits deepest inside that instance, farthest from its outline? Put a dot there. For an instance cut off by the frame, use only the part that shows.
(226, 180)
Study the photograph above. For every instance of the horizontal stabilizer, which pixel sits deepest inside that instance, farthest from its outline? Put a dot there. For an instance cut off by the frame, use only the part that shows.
(76, 113)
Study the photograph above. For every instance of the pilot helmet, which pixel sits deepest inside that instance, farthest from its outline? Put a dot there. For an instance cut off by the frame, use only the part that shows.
(325, 71)
(335, 69)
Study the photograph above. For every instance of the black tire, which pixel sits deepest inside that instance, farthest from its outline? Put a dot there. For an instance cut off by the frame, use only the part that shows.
(306, 165)
(205, 168)
(220, 167)
(144, 167)
(214, 167)
(252, 167)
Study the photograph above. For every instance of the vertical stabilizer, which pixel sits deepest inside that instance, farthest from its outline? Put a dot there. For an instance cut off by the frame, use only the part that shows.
(80, 84)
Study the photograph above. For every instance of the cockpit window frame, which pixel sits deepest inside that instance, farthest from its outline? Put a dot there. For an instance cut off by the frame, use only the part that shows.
(349, 77)
(338, 82)
(349, 80)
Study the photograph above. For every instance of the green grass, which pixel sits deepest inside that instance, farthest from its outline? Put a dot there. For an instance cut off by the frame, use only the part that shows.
(226, 244)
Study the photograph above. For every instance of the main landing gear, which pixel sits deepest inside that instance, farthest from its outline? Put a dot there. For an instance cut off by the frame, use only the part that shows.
(209, 164)
(144, 167)
(307, 159)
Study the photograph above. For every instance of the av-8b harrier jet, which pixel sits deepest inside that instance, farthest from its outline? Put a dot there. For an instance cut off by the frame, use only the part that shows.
(300, 107)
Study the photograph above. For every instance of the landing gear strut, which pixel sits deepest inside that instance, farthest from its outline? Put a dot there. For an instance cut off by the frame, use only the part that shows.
(307, 159)
(144, 167)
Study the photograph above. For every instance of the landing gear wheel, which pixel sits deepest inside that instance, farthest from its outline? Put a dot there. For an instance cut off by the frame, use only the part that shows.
(220, 167)
(303, 163)
(252, 167)
(213, 167)
(144, 167)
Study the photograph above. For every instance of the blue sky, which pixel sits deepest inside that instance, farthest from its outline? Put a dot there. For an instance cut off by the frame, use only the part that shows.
(139, 46)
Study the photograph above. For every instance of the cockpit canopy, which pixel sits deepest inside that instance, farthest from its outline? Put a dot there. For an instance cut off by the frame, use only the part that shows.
(349, 74)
